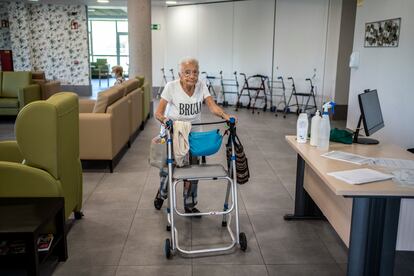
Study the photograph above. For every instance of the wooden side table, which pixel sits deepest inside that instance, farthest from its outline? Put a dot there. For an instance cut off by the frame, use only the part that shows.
(24, 219)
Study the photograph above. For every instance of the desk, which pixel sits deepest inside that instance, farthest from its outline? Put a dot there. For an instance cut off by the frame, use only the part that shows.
(364, 216)
(24, 219)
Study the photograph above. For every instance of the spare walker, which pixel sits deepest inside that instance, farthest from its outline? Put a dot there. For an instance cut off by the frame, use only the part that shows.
(274, 87)
(202, 172)
(164, 81)
(301, 106)
(248, 88)
(210, 85)
(229, 83)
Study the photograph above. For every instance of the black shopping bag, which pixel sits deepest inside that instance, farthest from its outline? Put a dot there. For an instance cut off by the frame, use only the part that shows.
(242, 165)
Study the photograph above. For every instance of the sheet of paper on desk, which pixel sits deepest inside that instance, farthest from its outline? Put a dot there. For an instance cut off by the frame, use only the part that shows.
(347, 157)
(360, 176)
(394, 163)
(404, 177)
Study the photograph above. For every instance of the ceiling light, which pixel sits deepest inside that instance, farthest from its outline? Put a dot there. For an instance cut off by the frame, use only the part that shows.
(103, 1)
(33, 0)
(170, 2)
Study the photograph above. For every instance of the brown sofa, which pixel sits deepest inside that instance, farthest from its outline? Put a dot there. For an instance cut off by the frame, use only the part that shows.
(47, 87)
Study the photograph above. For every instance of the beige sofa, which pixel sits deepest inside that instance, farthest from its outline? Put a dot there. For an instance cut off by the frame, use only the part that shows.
(104, 125)
(135, 96)
(111, 122)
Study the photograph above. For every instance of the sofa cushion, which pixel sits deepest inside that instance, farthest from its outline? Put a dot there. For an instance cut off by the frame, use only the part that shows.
(130, 85)
(107, 97)
(9, 103)
(13, 81)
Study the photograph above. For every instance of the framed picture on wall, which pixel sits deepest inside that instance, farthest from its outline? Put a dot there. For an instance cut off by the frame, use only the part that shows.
(384, 33)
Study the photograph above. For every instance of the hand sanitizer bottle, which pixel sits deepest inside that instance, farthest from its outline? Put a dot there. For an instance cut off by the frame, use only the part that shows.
(302, 128)
(325, 127)
(316, 120)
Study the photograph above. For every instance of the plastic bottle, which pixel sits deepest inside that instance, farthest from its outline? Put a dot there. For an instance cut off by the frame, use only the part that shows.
(316, 120)
(325, 127)
(302, 128)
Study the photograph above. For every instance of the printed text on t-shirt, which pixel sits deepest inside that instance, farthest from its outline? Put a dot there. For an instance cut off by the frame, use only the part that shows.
(190, 109)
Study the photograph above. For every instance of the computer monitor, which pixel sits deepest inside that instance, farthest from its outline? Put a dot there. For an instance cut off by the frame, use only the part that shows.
(371, 116)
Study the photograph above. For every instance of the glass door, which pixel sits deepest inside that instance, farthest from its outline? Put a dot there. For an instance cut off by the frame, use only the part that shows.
(123, 51)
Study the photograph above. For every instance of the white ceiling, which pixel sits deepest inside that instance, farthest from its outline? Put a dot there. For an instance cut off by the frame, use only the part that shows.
(112, 3)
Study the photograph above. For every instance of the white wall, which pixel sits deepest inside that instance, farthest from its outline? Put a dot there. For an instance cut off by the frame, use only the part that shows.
(300, 40)
(238, 36)
(390, 71)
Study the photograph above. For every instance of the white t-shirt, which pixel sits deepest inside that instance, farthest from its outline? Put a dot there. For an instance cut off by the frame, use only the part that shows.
(182, 107)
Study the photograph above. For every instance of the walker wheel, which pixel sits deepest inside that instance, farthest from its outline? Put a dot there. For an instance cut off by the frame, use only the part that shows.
(243, 241)
(284, 116)
(224, 223)
(167, 249)
(158, 203)
(168, 228)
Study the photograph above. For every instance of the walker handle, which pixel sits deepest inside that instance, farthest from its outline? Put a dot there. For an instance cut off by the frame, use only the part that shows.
(169, 123)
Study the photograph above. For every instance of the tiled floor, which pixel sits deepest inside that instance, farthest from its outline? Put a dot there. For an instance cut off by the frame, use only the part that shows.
(122, 234)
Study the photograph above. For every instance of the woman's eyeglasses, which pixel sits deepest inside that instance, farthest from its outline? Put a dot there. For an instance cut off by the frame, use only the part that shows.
(188, 73)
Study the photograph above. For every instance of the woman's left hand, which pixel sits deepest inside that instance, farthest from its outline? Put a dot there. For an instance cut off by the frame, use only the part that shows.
(228, 116)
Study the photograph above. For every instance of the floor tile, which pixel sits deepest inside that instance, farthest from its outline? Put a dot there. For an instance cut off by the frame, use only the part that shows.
(230, 270)
(85, 270)
(305, 270)
(171, 270)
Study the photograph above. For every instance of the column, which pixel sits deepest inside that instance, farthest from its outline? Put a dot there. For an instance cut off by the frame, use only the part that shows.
(139, 31)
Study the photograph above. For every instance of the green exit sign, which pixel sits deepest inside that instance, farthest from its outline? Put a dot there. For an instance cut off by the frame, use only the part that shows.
(156, 27)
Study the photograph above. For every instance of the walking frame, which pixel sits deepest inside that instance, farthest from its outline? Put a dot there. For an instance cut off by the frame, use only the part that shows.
(210, 85)
(164, 80)
(248, 89)
(228, 83)
(301, 107)
(203, 172)
(274, 86)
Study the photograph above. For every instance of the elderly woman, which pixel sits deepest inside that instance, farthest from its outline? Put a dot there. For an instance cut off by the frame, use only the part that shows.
(182, 100)
(118, 71)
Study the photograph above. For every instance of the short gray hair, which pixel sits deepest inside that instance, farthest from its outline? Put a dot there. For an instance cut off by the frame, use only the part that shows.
(187, 60)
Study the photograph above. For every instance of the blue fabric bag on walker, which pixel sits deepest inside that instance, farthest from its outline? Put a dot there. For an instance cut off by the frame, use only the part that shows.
(205, 143)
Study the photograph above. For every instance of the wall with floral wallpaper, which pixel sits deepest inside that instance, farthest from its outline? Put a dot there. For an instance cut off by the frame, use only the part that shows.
(5, 43)
(51, 38)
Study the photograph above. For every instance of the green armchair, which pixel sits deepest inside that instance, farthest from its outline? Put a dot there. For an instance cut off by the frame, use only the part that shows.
(44, 159)
(17, 90)
(100, 70)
